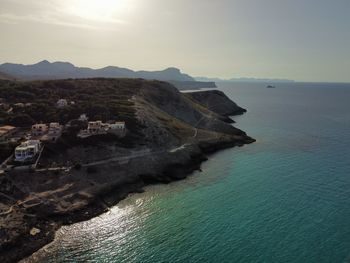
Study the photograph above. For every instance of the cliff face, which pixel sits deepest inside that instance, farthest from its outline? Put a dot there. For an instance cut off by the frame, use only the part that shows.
(194, 113)
(170, 134)
(217, 101)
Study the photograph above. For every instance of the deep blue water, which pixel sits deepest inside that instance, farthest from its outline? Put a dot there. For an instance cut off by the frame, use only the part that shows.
(285, 198)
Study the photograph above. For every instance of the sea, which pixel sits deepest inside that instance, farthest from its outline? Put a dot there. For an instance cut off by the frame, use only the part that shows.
(285, 198)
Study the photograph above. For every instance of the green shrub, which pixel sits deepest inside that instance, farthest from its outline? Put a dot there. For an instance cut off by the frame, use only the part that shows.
(91, 170)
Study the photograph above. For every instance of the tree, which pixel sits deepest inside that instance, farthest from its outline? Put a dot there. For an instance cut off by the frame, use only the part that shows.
(22, 120)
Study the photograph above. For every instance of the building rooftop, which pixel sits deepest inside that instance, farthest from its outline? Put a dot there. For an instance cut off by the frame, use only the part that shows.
(30, 142)
(5, 129)
(54, 124)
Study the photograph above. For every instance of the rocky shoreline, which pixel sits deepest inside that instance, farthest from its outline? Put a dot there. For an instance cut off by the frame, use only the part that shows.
(110, 197)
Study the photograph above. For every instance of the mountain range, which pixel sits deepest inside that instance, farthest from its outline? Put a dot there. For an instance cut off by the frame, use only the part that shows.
(64, 70)
(45, 70)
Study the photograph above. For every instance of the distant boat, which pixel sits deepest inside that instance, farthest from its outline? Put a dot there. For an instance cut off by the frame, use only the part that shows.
(270, 87)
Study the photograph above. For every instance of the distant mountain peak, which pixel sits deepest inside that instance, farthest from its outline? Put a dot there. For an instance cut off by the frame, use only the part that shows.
(173, 69)
(43, 62)
(62, 63)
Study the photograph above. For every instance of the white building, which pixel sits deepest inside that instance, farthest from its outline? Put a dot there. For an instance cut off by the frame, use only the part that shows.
(94, 128)
(119, 125)
(27, 150)
(98, 128)
(83, 117)
(55, 128)
(62, 103)
(46, 132)
(39, 129)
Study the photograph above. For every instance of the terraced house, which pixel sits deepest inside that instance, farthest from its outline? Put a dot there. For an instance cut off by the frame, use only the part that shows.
(54, 132)
(39, 129)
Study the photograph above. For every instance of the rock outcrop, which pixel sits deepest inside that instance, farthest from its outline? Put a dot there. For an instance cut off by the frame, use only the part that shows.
(217, 101)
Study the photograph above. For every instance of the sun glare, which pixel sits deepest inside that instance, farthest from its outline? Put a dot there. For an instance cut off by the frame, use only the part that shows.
(99, 10)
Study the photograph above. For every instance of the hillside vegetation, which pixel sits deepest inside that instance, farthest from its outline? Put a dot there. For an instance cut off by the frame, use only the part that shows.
(4, 76)
(113, 99)
(100, 99)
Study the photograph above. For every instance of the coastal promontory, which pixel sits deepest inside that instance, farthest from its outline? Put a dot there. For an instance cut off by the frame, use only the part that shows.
(114, 136)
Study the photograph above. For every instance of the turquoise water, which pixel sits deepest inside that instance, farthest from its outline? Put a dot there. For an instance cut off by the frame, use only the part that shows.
(285, 198)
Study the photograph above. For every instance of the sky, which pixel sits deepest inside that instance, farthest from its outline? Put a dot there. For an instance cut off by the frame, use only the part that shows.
(304, 40)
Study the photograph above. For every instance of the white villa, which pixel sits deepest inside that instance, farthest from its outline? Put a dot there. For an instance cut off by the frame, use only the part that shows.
(27, 150)
(119, 125)
(61, 103)
(39, 129)
(98, 128)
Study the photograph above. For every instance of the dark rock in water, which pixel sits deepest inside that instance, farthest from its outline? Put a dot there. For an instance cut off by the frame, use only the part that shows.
(270, 87)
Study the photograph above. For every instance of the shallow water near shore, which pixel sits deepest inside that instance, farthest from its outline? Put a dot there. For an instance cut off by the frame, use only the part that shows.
(285, 198)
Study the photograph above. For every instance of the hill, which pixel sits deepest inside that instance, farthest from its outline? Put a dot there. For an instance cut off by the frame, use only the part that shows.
(4, 76)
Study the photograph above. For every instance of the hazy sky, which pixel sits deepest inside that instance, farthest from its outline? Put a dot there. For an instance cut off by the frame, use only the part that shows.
(307, 40)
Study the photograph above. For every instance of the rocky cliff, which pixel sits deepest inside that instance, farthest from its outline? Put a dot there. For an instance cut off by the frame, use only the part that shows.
(217, 101)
